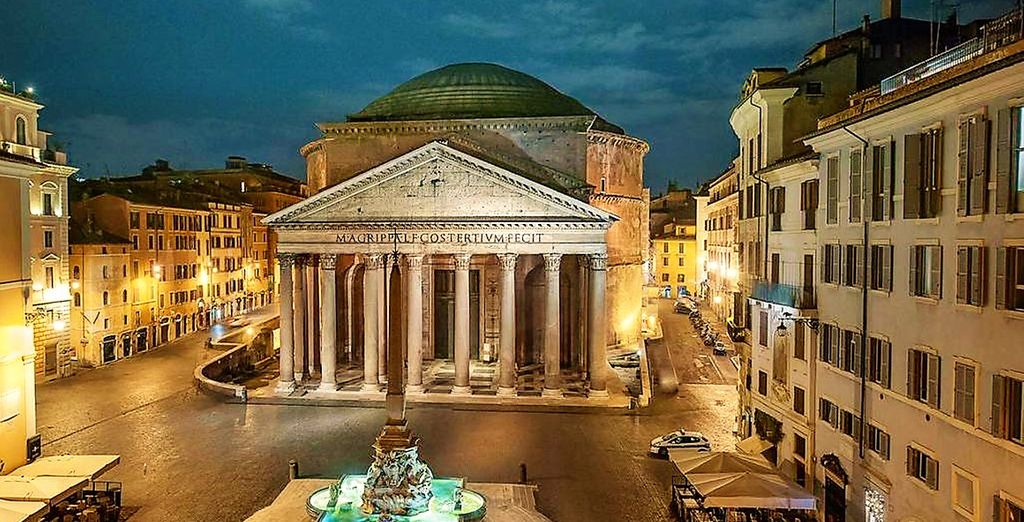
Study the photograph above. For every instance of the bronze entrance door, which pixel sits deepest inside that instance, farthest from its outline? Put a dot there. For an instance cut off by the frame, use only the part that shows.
(444, 314)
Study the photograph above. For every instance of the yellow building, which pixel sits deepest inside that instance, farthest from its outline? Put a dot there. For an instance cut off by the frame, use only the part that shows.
(675, 259)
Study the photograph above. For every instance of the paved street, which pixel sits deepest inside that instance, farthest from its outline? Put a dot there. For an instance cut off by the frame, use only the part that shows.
(694, 363)
(187, 456)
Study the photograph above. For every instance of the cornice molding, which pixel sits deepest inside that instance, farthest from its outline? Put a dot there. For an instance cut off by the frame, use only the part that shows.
(621, 140)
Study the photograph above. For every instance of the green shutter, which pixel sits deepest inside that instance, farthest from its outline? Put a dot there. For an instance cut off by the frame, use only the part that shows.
(1004, 161)
(979, 166)
(912, 170)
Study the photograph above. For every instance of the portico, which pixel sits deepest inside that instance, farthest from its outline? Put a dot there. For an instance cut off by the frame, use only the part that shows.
(492, 267)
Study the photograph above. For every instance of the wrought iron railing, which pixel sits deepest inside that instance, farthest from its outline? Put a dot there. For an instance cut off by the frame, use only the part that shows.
(780, 293)
(1002, 31)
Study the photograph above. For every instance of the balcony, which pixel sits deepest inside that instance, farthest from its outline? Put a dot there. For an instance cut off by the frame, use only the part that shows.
(794, 296)
(18, 149)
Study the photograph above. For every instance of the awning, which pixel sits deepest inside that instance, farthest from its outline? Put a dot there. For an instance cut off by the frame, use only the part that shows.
(22, 511)
(750, 490)
(90, 466)
(692, 462)
(40, 489)
(753, 445)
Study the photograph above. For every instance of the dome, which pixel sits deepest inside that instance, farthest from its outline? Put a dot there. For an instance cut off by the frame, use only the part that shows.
(470, 90)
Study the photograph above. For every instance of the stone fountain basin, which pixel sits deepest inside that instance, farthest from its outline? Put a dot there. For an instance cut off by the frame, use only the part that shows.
(350, 498)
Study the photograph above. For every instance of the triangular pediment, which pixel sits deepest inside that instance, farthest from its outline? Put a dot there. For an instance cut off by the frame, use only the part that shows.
(439, 184)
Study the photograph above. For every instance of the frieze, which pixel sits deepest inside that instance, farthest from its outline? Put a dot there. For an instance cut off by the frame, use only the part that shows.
(439, 238)
(391, 226)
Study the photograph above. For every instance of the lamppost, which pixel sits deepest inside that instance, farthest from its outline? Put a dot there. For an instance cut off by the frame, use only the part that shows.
(812, 322)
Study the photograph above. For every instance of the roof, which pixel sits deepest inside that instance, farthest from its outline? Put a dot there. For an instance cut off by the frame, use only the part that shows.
(194, 196)
(80, 233)
(471, 91)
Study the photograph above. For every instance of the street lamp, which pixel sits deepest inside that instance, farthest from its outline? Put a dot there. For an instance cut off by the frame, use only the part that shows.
(781, 331)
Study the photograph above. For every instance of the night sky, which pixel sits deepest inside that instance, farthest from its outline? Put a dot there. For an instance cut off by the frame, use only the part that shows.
(195, 81)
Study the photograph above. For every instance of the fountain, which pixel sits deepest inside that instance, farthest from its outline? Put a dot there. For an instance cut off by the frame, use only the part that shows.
(398, 485)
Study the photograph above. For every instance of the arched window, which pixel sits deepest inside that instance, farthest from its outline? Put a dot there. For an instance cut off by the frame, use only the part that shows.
(76, 272)
(124, 295)
(78, 299)
(106, 298)
(21, 132)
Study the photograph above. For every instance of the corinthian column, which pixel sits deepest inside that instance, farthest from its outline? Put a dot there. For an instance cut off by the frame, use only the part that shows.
(414, 321)
(372, 279)
(507, 349)
(552, 333)
(300, 317)
(286, 364)
(597, 355)
(461, 324)
(328, 330)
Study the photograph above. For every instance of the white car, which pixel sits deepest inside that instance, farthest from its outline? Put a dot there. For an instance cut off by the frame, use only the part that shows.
(680, 439)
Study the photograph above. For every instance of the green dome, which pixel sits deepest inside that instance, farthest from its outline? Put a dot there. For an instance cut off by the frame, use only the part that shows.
(470, 90)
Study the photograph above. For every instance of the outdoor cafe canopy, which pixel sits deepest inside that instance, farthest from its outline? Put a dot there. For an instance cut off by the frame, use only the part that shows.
(691, 462)
(89, 466)
(40, 489)
(747, 490)
(22, 511)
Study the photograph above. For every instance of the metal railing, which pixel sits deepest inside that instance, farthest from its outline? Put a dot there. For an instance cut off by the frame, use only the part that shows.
(1002, 31)
(783, 294)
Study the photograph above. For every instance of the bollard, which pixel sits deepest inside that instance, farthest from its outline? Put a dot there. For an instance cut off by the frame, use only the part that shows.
(522, 473)
(293, 469)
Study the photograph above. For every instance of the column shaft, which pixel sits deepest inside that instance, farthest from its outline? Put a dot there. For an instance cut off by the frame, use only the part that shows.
(461, 324)
(286, 364)
(507, 348)
(383, 284)
(597, 355)
(299, 321)
(329, 328)
(552, 327)
(371, 280)
(414, 321)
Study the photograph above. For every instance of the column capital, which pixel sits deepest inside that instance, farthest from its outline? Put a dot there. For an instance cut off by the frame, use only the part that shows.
(507, 261)
(552, 262)
(328, 261)
(598, 261)
(374, 261)
(300, 260)
(285, 260)
(313, 261)
(462, 261)
(414, 261)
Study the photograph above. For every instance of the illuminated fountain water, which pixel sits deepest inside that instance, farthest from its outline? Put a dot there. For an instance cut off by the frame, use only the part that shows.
(398, 485)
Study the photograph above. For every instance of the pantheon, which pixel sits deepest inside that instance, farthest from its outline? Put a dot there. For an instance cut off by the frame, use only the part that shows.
(497, 226)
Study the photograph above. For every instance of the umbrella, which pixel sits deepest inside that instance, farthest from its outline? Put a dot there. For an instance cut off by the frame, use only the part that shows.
(750, 490)
(22, 511)
(40, 489)
(91, 466)
(689, 461)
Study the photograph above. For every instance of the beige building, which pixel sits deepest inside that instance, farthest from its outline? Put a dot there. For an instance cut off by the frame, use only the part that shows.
(34, 295)
(719, 256)
(102, 329)
(921, 296)
(519, 216)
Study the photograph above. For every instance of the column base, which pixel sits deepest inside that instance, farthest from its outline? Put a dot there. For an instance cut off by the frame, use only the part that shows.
(327, 387)
(298, 377)
(506, 392)
(462, 390)
(414, 388)
(285, 387)
(598, 394)
(553, 393)
(370, 387)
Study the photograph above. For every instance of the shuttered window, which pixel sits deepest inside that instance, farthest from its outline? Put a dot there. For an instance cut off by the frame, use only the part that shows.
(879, 361)
(970, 275)
(926, 271)
(809, 203)
(923, 377)
(878, 441)
(881, 267)
(1010, 161)
(1008, 408)
(831, 263)
(923, 467)
(832, 190)
(856, 190)
(880, 182)
(963, 392)
(921, 174)
(1010, 278)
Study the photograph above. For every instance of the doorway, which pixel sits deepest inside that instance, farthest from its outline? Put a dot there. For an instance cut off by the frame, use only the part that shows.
(444, 314)
(835, 501)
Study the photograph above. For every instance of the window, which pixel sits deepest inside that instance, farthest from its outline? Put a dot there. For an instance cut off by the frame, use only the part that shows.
(763, 328)
(849, 355)
(965, 493)
(664, 247)
(923, 377)
(124, 295)
(809, 202)
(880, 178)
(921, 174)
(970, 275)
(681, 260)
(47, 239)
(879, 361)
(780, 362)
(762, 382)
(133, 219)
(923, 467)
(798, 400)
(813, 89)
(853, 266)
(926, 271)
(828, 412)
(830, 344)
(972, 166)
(78, 299)
(881, 267)
(1010, 278)
(664, 261)
(1007, 511)
(20, 133)
(106, 272)
(680, 278)
(777, 206)
(830, 268)
(48, 274)
(76, 272)
(877, 441)
(106, 298)
(776, 268)
(856, 175)
(832, 190)
(47, 204)
(799, 445)
(798, 342)
(664, 278)
(849, 424)
(1007, 408)
(681, 251)
(1010, 161)
(963, 392)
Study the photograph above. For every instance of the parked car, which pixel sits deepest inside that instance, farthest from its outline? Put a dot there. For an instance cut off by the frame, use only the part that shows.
(679, 439)
(681, 308)
(720, 348)
(631, 360)
(241, 321)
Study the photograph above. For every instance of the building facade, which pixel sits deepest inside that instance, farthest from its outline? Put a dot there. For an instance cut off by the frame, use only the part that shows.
(719, 218)
(675, 260)
(919, 372)
(519, 216)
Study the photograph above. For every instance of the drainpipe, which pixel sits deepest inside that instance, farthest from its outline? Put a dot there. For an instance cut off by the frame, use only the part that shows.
(864, 297)
(760, 150)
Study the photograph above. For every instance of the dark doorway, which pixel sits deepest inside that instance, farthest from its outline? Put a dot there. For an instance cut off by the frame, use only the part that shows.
(444, 314)
(50, 358)
(126, 345)
(109, 351)
(835, 501)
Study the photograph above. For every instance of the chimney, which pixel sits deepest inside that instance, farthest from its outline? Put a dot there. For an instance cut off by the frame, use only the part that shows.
(866, 23)
(891, 9)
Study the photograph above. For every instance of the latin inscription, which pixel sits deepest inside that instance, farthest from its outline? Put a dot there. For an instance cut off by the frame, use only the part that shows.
(439, 237)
